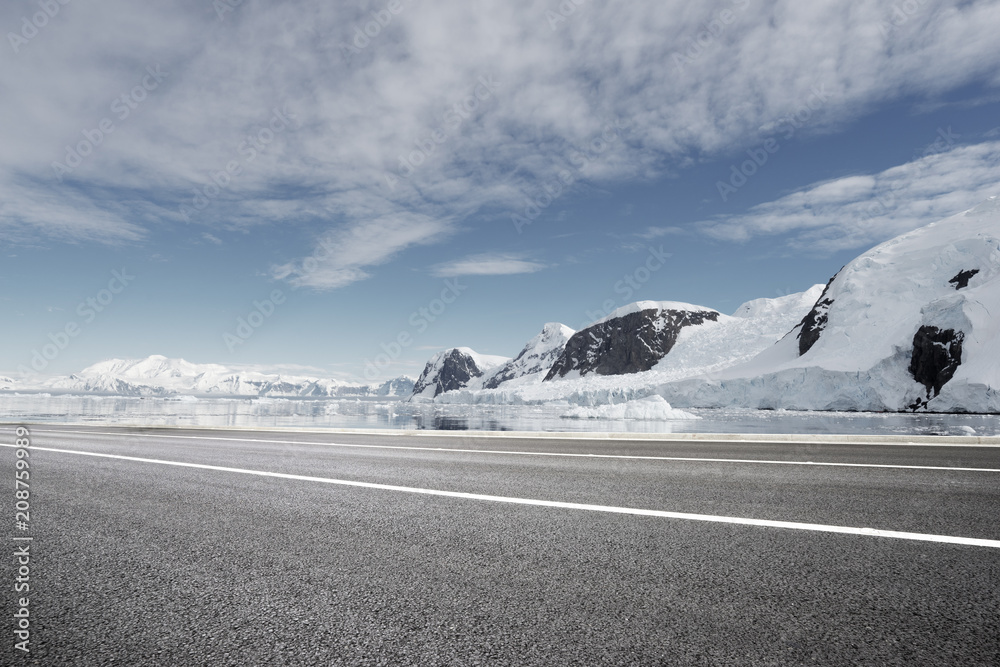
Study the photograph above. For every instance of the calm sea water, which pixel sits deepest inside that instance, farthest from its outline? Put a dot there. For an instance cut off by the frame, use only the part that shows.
(386, 414)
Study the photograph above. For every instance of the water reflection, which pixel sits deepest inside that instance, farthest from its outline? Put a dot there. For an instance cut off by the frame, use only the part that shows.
(387, 414)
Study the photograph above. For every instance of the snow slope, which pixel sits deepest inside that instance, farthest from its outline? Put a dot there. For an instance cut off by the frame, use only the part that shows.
(755, 326)
(859, 349)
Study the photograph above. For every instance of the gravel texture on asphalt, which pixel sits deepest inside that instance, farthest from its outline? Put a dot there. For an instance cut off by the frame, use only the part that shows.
(143, 564)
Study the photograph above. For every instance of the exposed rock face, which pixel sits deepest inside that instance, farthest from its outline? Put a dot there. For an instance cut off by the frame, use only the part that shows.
(961, 281)
(631, 343)
(447, 371)
(538, 356)
(937, 354)
(815, 321)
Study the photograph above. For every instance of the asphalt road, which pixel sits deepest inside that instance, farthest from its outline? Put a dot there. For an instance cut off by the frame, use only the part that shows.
(143, 563)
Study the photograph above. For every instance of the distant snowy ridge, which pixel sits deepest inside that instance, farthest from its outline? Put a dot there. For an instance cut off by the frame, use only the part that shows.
(159, 376)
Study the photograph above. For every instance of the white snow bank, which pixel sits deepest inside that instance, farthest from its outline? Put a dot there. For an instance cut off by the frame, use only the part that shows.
(649, 408)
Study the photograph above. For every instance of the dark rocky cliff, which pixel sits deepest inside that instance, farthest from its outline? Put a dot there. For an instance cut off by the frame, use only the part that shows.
(631, 343)
(814, 322)
(447, 372)
(937, 354)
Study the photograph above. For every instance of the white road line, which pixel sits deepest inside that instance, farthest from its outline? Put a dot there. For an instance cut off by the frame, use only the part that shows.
(871, 532)
(517, 453)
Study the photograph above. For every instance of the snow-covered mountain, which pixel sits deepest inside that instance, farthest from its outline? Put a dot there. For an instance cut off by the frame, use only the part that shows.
(913, 324)
(910, 324)
(457, 368)
(698, 349)
(536, 357)
(631, 339)
(160, 376)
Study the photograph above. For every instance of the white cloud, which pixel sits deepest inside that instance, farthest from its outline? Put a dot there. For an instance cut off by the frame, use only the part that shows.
(488, 264)
(28, 209)
(857, 211)
(357, 117)
(342, 255)
(660, 232)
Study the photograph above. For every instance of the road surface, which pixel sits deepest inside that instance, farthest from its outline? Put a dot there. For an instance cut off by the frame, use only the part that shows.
(217, 547)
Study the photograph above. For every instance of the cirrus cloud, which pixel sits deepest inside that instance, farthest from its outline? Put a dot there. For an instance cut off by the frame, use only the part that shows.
(406, 95)
(487, 264)
(860, 210)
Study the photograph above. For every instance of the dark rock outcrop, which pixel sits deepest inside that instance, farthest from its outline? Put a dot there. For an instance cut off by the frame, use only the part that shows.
(632, 343)
(447, 371)
(937, 354)
(814, 322)
(961, 281)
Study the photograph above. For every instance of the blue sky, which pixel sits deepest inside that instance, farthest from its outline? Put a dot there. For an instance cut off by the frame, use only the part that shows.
(272, 162)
